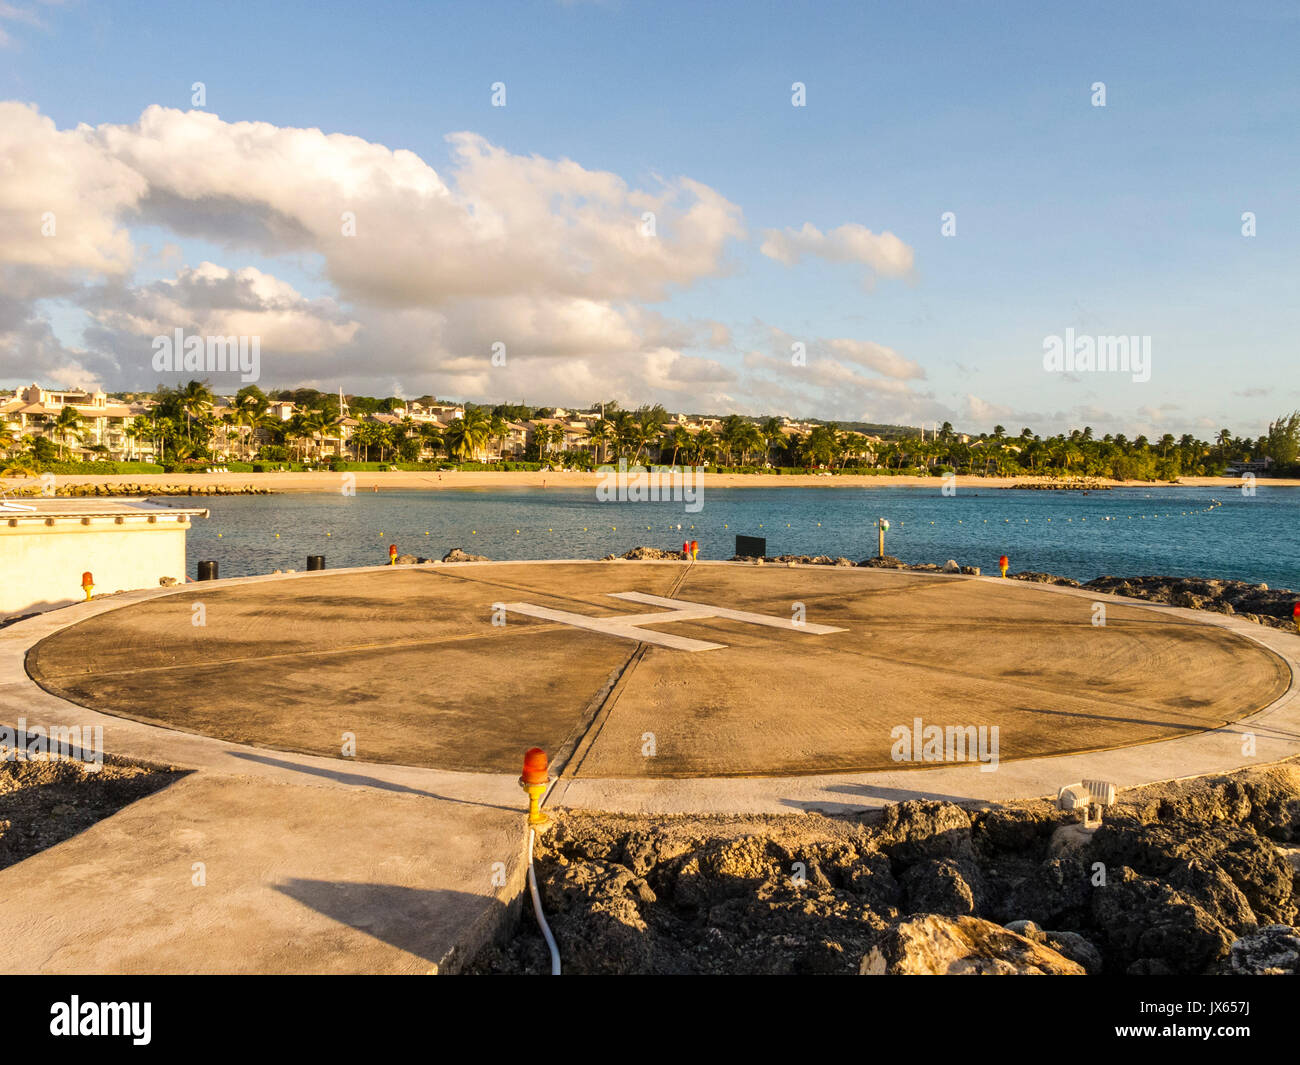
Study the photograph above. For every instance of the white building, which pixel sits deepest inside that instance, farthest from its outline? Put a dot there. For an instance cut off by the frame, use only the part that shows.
(34, 410)
(47, 545)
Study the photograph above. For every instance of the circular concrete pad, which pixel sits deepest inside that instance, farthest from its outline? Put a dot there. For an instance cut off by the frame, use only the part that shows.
(407, 664)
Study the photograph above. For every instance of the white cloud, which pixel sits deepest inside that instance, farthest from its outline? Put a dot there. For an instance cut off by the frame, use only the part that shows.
(62, 197)
(501, 224)
(543, 255)
(884, 254)
(883, 360)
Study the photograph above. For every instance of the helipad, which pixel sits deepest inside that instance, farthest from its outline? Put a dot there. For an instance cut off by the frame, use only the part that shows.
(652, 670)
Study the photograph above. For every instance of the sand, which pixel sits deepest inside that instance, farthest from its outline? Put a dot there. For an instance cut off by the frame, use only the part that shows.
(405, 480)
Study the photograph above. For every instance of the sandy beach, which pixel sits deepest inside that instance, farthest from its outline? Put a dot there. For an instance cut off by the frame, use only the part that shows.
(409, 480)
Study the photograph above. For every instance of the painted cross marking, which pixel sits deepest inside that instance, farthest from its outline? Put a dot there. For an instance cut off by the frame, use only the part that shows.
(630, 626)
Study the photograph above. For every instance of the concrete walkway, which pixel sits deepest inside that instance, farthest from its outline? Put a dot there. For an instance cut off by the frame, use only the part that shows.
(318, 864)
(312, 865)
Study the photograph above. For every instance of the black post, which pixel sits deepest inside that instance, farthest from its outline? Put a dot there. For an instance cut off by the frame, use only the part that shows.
(315, 562)
(207, 570)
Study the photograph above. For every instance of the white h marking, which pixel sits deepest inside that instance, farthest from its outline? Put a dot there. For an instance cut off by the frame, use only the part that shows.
(629, 626)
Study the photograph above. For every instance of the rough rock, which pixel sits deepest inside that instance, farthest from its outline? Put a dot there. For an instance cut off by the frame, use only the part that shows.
(925, 828)
(1253, 864)
(1213, 890)
(457, 555)
(1142, 918)
(961, 946)
(1014, 829)
(1070, 839)
(1056, 893)
(943, 886)
(1069, 944)
(1172, 882)
(1256, 602)
(884, 562)
(644, 554)
(1043, 578)
(1273, 950)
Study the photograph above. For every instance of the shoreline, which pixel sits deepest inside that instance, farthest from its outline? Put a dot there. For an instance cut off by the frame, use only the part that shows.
(413, 480)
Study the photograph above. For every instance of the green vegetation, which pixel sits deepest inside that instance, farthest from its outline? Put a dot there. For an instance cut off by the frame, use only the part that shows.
(249, 435)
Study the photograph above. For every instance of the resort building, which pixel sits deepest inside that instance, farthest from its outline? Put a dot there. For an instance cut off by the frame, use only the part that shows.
(100, 428)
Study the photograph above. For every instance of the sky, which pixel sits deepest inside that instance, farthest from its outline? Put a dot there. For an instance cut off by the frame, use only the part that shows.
(867, 212)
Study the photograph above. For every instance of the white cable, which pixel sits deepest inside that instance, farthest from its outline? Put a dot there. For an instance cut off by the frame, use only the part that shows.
(537, 907)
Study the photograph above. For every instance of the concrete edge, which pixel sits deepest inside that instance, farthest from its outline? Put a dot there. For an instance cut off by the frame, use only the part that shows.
(1173, 759)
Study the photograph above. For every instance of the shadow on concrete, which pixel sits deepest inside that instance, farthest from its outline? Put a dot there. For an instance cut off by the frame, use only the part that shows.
(871, 791)
(359, 780)
(1152, 722)
(431, 924)
(45, 802)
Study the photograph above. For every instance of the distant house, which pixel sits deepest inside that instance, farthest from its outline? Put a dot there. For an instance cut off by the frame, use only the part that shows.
(34, 410)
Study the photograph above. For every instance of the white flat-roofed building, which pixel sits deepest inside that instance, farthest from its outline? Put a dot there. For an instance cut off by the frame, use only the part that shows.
(46, 545)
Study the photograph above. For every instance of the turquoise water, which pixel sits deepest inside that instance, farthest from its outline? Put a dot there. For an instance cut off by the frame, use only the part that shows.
(1153, 530)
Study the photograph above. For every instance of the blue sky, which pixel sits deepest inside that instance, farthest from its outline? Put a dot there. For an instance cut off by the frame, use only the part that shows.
(1123, 219)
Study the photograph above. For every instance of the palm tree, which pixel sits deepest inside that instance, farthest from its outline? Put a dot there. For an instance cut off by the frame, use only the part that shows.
(296, 430)
(65, 426)
(733, 427)
(468, 434)
(431, 436)
(322, 423)
(705, 445)
(251, 407)
(625, 429)
(822, 445)
(679, 439)
(24, 464)
(773, 437)
(499, 428)
(750, 438)
(599, 437)
(195, 399)
(229, 426)
(643, 435)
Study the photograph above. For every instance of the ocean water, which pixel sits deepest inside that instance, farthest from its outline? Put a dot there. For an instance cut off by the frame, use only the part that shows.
(1122, 532)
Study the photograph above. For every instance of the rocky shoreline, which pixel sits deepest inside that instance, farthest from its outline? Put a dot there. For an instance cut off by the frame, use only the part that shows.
(1196, 877)
(1255, 602)
(1059, 486)
(127, 489)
